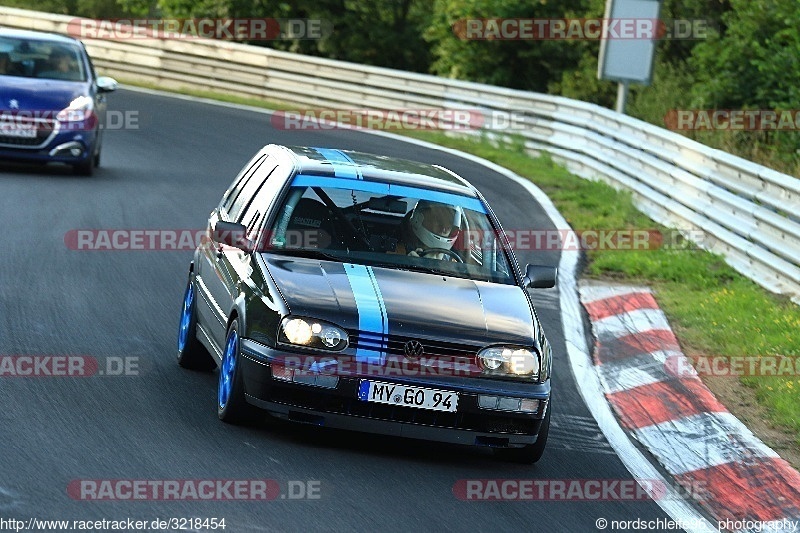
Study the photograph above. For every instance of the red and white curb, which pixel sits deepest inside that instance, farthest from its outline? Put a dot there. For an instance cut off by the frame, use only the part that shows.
(677, 418)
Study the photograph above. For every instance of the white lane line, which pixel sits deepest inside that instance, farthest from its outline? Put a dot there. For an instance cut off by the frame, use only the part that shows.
(583, 371)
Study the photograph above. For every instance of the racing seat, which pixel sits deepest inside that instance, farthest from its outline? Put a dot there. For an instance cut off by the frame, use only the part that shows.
(311, 226)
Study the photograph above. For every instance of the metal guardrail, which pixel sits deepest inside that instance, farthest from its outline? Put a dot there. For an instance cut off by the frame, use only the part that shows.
(748, 213)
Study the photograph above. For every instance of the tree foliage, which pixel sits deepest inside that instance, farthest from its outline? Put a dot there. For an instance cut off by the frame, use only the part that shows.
(750, 59)
(519, 64)
(755, 62)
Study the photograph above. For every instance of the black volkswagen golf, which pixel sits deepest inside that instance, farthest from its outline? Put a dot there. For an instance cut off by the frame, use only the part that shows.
(363, 292)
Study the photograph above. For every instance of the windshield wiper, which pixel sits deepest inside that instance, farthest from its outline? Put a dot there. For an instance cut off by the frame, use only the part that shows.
(304, 252)
(415, 268)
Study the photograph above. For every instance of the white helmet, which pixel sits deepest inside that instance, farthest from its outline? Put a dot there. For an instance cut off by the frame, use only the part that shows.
(436, 225)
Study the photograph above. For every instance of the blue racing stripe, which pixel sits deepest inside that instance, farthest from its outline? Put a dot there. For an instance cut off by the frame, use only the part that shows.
(382, 307)
(347, 170)
(371, 314)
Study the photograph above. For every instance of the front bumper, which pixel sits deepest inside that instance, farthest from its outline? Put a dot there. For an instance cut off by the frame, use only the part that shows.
(58, 149)
(339, 407)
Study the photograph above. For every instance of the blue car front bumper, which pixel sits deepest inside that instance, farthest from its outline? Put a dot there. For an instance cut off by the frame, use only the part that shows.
(71, 145)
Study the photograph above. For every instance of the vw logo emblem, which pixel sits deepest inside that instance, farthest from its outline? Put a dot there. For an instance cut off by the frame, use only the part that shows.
(13, 103)
(413, 349)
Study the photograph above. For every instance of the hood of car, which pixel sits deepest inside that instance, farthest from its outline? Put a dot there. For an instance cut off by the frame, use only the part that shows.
(33, 94)
(386, 301)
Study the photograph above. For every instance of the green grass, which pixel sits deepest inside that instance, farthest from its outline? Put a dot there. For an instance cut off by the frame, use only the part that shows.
(713, 309)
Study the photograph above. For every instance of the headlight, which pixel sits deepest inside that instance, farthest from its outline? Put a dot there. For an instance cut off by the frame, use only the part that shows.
(312, 334)
(509, 361)
(79, 109)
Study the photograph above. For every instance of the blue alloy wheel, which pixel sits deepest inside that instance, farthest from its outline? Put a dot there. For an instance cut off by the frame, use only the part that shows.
(226, 371)
(186, 317)
(232, 406)
(191, 352)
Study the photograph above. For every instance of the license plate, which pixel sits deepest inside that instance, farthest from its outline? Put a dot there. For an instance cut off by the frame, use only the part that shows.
(18, 129)
(406, 396)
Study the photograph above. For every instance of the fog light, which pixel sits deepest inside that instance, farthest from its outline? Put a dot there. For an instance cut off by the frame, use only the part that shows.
(529, 406)
(282, 372)
(487, 402)
(307, 378)
(75, 152)
(508, 404)
(329, 382)
(504, 403)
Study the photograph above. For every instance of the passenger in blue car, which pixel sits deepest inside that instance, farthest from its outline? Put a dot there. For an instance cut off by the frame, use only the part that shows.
(431, 231)
(60, 66)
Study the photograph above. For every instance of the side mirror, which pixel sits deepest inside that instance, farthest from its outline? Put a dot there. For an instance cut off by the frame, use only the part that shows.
(231, 234)
(106, 84)
(540, 277)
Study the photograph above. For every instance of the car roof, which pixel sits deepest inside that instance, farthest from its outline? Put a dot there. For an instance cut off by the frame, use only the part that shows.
(38, 35)
(333, 162)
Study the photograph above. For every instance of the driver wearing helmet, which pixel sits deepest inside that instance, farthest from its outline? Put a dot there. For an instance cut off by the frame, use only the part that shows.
(432, 225)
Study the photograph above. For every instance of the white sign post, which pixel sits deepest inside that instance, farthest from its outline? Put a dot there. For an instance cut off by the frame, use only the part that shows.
(627, 46)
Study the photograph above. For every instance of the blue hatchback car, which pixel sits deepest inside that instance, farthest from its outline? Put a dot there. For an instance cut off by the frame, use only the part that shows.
(52, 104)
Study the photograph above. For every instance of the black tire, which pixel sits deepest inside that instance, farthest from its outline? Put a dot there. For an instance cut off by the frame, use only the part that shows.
(232, 407)
(191, 352)
(530, 453)
(86, 168)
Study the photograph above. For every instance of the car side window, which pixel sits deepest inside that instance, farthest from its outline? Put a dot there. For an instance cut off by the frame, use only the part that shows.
(259, 200)
(254, 214)
(237, 196)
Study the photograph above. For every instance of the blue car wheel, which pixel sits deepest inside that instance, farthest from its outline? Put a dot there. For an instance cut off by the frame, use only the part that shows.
(232, 407)
(191, 353)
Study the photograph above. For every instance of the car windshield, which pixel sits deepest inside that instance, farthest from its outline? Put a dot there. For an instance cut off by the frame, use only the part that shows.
(392, 226)
(31, 58)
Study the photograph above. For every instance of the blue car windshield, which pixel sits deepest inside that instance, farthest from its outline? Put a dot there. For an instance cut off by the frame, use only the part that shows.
(32, 58)
(393, 226)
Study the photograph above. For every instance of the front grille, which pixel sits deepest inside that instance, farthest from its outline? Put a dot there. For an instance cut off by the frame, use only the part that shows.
(434, 348)
(324, 402)
(439, 358)
(367, 340)
(394, 345)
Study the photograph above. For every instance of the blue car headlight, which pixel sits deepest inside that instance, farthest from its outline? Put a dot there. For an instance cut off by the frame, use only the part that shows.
(79, 110)
(510, 361)
(311, 333)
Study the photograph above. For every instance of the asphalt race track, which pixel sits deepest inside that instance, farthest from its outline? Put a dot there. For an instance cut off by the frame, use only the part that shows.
(160, 423)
